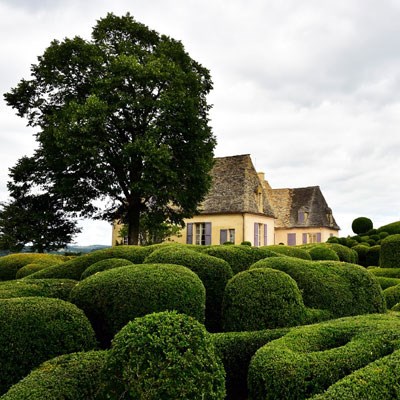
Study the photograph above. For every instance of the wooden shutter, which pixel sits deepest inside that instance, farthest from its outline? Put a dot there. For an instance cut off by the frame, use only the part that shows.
(189, 233)
(319, 237)
(291, 238)
(265, 234)
(304, 238)
(223, 236)
(207, 233)
(255, 234)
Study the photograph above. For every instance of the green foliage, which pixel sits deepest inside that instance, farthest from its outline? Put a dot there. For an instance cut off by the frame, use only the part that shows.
(341, 288)
(238, 257)
(378, 380)
(390, 252)
(165, 356)
(245, 243)
(385, 272)
(291, 251)
(112, 298)
(362, 251)
(122, 116)
(38, 265)
(236, 349)
(104, 265)
(361, 225)
(373, 255)
(75, 376)
(35, 329)
(9, 265)
(321, 252)
(387, 282)
(57, 288)
(392, 296)
(391, 229)
(213, 272)
(344, 253)
(309, 359)
(261, 299)
(74, 268)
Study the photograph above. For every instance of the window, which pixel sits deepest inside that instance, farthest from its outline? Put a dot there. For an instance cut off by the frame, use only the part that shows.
(226, 235)
(291, 239)
(198, 233)
(314, 237)
(302, 217)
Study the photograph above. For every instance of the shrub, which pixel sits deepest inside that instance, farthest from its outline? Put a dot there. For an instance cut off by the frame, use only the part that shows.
(236, 349)
(333, 239)
(390, 252)
(104, 265)
(361, 225)
(344, 253)
(213, 272)
(307, 360)
(321, 252)
(291, 251)
(261, 299)
(9, 265)
(74, 268)
(387, 282)
(361, 250)
(75, 376)
(392, 295)
(35, 329)
(341, 288)
(58, 288)
(391, 229)
(385, 272)
(112, 298)
(376, 381)
(246, 243)
(383, 235)
(165, 356)
(373, 255)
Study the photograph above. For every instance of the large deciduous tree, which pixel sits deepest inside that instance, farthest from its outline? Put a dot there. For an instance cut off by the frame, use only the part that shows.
(121, 117)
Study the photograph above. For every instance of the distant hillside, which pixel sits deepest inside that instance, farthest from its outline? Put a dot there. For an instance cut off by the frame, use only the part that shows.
(73, 249)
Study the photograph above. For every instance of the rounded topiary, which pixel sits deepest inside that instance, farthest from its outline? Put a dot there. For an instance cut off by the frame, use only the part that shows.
(392, 295)
(341, 288)
(35, 329)
(362, 251)
(344, 253)
(9, 265)
(291, 251)
(261, 299)
(390, 252)
(321, 252)
(214, 273)
(245, 243)
(373, 255)
(309, 359)
(112, 298)
(76, 376)
(58, 288)
(387, 282)
(73, 269)
(361, 225)
(104, 265)
(164, 356)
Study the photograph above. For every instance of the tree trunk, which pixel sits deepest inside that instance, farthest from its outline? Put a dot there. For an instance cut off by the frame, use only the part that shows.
(133, 224)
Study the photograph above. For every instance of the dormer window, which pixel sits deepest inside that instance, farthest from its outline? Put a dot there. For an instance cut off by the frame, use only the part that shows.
(302, 216)
(259, 199)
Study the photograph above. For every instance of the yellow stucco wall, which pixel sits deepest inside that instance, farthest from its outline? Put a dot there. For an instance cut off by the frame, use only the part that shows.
(242, 223)
(281, 234)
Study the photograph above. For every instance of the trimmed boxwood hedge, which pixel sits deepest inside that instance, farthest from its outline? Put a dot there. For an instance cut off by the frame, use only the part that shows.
(236, 349)
(379, 380)
(309, 359)
(74, 268)
(321, 252)
(35, 329)
(213, 272)
(164, 355)
(385, 272)
(112, 298)
(291, 251)
(390, 252)
(362, 251)
(104, 265)
(76, 376)
(392, 296)
(9, 265)
(260, 299)
(373, 255)
(387, 282)
(391, 229)
(239, 257)
(58, 288)
(341, 288)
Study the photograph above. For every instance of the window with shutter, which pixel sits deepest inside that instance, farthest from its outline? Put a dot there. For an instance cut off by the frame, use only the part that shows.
(223, 236)
(189, 233)
(291, 239)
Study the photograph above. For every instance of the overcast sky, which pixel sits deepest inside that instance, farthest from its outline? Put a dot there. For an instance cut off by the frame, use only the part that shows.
(310, 89)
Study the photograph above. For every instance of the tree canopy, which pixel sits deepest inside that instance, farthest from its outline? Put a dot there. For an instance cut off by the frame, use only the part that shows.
(122, 117)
